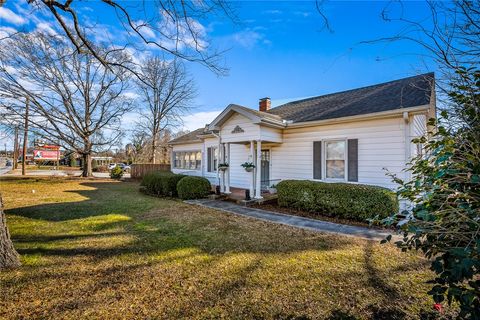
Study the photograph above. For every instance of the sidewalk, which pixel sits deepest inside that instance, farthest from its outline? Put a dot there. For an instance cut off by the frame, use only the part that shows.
(294, 221)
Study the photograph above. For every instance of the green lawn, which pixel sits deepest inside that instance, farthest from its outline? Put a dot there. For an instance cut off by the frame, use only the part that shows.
(100, 249)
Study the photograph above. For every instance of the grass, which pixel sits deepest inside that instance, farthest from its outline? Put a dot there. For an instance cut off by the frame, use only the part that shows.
(100, 249)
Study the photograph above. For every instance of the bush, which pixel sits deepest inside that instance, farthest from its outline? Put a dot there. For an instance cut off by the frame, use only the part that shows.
(162, 183)
(100, 169)
(340, 200)
(116, 173)
(193, 188)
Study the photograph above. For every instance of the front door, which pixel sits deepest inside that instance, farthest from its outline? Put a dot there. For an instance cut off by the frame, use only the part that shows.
(265, 167)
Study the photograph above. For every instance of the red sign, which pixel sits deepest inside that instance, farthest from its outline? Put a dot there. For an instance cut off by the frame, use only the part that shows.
(46, 154)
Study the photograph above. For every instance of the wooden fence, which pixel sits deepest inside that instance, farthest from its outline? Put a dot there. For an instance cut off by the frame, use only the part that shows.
(138, 170)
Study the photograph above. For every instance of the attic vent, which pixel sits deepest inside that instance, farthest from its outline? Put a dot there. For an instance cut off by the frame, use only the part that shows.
(237, 129)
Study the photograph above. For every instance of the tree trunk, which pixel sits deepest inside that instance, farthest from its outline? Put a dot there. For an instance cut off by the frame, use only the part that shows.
(8, 254)
(154, 149)
(87, 165)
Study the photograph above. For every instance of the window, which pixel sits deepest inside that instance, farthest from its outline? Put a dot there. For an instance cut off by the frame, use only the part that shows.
(212, 159)
(191, 160)
(335, 159)
(198, 161)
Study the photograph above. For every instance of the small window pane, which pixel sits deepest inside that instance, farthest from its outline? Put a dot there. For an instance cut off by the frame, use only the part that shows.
(198, 163)
(336, 169)
(335, 150)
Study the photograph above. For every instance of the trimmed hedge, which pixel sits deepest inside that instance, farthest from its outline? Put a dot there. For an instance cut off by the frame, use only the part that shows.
(162, 183)
(191, 187)
(341, 200)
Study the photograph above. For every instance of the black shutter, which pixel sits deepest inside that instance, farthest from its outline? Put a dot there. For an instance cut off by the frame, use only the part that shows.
(352, 159)
(209, 159)
(317, 159)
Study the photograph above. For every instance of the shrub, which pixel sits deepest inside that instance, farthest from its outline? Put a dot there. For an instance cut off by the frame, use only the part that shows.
(341, 200)
(162, 183)
(100, 169)
(116, 173)
(193, 188)
(444, 220)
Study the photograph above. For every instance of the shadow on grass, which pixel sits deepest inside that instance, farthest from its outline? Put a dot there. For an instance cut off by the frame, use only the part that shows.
(153, 233)
(105, 198)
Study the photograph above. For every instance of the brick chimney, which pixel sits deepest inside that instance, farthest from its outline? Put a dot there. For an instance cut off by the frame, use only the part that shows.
(264, 104)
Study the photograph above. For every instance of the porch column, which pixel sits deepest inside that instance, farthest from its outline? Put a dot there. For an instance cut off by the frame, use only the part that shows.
(227, 172)
(218, 161)
(258, 171)
(252, 157)
(204, 159)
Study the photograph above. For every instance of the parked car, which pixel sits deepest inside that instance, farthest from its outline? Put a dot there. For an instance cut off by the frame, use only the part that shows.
(9, 163)
(124, 166)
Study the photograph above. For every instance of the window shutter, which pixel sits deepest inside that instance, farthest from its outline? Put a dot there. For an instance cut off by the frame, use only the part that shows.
(209, 159)
(317, 160)
(352, 146)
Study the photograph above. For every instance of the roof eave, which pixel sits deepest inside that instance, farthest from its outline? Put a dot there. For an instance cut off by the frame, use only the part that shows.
(375, 115)
(224, 115)
(184, 142)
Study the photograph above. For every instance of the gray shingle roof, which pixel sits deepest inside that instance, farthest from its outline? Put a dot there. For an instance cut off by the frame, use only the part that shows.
(189, 137)
(403, 93)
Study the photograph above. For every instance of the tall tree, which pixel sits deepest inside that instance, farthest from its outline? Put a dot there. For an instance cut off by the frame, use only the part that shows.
(8, 254)
(167, 92)
(74, 99)
(170, 26)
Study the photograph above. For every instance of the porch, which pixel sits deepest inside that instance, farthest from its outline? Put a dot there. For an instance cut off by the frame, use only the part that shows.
(257, 179)
(239, 196)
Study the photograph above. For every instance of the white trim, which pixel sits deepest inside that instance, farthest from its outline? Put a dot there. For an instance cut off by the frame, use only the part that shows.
(324, 161)
(226, 114)
(258, 171)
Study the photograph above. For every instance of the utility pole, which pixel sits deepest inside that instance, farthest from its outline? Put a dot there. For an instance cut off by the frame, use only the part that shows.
(25, 138)
(15, 149)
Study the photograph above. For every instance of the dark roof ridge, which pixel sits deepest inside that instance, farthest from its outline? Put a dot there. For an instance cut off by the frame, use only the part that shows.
(432, 74)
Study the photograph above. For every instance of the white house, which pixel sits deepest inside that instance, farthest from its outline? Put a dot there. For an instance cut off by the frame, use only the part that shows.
(352, 136)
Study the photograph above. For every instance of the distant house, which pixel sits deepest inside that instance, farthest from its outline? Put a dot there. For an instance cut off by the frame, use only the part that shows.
(352, 136)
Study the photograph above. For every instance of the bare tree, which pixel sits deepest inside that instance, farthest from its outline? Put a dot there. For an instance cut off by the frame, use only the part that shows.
(74, 99)
(167, 91)
(449, 37)
(8, 254)
(169, 25)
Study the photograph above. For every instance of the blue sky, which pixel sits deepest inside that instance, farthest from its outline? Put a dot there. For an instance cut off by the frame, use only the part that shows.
(280, 50)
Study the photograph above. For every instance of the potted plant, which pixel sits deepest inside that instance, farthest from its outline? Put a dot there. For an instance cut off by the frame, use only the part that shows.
(222, 166)
(248, 166)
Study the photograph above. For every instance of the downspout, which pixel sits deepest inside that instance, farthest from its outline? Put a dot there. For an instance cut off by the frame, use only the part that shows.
(406, 129)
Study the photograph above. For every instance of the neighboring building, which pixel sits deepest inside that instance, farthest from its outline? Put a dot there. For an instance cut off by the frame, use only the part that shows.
(352, 136)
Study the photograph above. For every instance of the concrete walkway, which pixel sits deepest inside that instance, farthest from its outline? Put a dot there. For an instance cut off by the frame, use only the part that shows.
(294, 221)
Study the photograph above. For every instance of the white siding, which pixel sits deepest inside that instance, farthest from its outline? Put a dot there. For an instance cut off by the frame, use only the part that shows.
(239, 153)
(381, 144)
(251, 131)
(270, 134)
